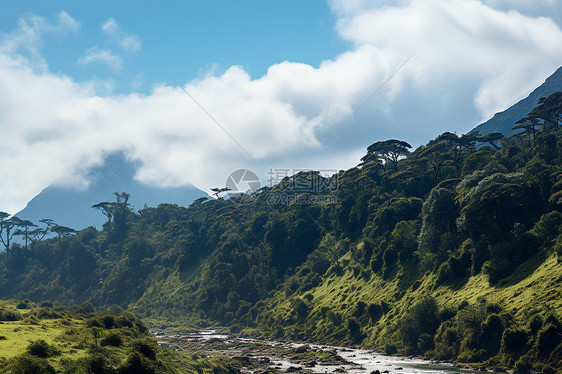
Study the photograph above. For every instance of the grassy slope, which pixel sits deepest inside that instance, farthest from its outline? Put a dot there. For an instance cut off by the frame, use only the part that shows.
(72, 337)
(533, 287)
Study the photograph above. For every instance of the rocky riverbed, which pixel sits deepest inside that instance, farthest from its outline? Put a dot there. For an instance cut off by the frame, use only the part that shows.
(260, 356)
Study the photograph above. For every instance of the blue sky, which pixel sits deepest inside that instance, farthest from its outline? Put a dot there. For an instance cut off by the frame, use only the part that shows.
(189, 38)
(261, 85)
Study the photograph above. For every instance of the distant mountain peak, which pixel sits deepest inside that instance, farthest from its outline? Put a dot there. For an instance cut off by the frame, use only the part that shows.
(72, 207)
(504, 121)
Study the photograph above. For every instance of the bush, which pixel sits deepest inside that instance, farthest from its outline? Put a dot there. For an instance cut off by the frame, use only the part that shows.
(548, 339)
(536, 323)
(147, 347)
(514, 341)
(390, 349)
(137, 364)
(113, 339)
(26, 304)
(10, 315)
(425, 343)
(42, 349)
(26, 364)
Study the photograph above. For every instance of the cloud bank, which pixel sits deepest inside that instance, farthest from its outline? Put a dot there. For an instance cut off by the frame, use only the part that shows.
(472, 58)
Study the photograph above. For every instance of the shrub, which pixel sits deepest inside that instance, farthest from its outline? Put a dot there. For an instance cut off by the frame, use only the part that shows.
(42, 349)
(425, 343)
(390, 349)
(113, 339)
(147, 347)
(536, 323)
(26, 364)
(85, 308)
(137, 364)
(548, 339)
(10, 315)
(108, 321)
(26, 304)
(514, 340)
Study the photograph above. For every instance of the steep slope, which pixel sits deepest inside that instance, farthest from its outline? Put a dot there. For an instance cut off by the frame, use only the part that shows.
(502, 122)
(72, 207)
(453, 253)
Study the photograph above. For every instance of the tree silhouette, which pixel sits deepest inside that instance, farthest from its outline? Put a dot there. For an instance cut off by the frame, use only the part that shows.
(387, 151)
(549, 110)
(62, 232)
(528, 124)
(24, 231)
(106, 208)
(492, 139)
(7, 230)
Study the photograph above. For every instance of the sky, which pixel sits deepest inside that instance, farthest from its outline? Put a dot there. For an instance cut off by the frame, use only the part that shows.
(193, 90)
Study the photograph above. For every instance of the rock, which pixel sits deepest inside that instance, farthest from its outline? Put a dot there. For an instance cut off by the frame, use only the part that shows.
(264, 360)
(302, 349)
(399, 368)
(482, 368)
(242, 358)
(311, 364)
(293, 369)
(340, 370)
(385, 372)
(375, 372)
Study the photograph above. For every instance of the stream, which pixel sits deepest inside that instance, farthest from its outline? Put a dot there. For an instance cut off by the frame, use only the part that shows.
(260, 356)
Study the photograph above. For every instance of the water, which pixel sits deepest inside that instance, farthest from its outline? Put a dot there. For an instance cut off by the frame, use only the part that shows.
(264, 355)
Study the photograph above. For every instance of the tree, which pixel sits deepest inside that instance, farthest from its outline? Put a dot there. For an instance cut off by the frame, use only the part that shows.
(436, 155)
(116, 212)
(387, 151)
(492, 139)
(106, 208)
(550, 110)
(25, 224)
(7, 229)
(38, 234)
(62, 232)
(528, 124)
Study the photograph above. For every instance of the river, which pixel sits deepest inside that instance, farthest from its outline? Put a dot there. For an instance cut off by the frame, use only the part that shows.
(258, 356)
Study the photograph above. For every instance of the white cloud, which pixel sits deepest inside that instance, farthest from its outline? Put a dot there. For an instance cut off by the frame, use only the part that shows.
(461, 41)
(25, 41)
(126, 41)
(104, 56)
(471, 60)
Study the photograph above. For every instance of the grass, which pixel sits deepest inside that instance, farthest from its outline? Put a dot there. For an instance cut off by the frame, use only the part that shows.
(534, 287)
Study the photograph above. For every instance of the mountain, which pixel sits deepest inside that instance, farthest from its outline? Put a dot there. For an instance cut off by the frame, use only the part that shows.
(504, 121)
(72, 207)
(453, 254)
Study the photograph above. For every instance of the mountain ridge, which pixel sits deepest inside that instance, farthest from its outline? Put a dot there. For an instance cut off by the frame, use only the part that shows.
(72, 207)
(503, 121)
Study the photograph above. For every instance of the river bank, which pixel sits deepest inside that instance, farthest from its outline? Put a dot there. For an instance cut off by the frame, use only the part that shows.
(260, 356)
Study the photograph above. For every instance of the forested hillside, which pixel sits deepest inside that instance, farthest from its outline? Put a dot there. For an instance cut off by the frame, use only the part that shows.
(452, 250)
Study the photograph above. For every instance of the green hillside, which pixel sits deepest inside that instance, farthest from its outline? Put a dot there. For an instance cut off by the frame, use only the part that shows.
(47, 338)
(451, 251)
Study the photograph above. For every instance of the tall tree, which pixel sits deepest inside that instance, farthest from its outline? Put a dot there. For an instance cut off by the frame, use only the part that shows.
(62, 232)
(529, 126)
(387, 151)
(24, 230)
(7, 229)
(106, 208)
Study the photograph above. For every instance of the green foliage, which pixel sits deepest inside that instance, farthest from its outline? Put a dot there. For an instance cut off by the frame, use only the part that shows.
(26, 364)
(42, 349)
(410, 235)
(421, 320)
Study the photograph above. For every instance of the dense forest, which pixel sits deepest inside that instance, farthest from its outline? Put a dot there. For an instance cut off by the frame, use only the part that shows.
(452, 251)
